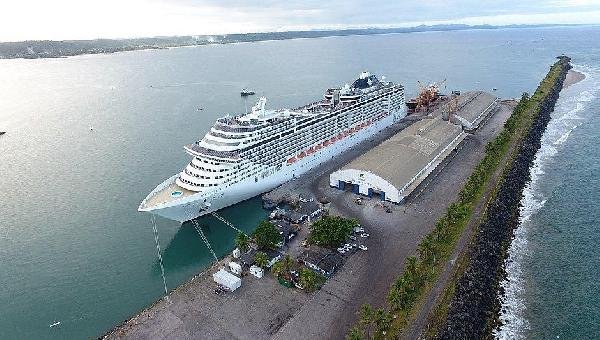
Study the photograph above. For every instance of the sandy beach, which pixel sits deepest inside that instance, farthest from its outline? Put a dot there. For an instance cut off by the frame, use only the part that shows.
(573, 77)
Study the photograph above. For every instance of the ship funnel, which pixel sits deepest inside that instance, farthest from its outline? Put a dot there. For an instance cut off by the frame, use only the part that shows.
(259, 107)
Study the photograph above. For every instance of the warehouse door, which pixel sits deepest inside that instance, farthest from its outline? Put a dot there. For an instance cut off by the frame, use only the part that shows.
(377, 194)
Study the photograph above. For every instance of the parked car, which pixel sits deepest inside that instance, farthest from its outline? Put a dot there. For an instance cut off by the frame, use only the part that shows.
(365, 235)
(363, 247)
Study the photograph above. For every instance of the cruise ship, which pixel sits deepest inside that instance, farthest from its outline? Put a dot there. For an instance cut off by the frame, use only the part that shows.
(245, 155)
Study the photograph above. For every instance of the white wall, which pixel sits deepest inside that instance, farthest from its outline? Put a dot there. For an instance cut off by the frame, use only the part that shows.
(365, 180)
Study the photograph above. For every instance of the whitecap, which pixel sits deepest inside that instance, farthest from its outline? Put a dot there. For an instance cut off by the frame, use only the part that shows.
(565, 136)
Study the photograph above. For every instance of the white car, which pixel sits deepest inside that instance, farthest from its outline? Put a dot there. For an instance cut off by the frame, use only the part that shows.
(341, 250)
(363, 247)
(365, 235)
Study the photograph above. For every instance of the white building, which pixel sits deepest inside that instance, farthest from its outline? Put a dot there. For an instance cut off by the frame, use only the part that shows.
(393, 169)
(257, 271)
(227, 279)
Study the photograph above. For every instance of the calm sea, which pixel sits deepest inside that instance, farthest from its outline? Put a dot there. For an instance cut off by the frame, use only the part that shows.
(74, 249)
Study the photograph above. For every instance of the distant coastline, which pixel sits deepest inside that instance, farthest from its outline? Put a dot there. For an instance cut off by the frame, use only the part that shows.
(36, 49)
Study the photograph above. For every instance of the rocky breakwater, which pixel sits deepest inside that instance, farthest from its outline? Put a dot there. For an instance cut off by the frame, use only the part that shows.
(474, 309)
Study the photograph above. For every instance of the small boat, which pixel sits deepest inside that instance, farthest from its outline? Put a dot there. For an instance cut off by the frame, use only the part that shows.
(246, 92)
(2, 132)
(55, 324)
(199, 108)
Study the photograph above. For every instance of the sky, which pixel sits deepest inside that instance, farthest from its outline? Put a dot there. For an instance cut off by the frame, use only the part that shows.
(90, 19)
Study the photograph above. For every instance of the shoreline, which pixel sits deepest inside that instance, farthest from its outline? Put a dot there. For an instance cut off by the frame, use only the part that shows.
(474, 310)
(22, 49)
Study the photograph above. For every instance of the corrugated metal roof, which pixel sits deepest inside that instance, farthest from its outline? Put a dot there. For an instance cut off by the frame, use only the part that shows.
(401, 157)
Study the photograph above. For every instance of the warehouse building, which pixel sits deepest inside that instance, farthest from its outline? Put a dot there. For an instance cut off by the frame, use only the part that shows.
(393, 169)
(396, 167)
(472, 108)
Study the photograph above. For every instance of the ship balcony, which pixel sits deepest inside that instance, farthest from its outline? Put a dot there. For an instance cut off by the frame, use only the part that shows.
(199, 151)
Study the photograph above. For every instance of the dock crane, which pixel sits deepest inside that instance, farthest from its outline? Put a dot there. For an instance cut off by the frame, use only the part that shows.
(427, 94)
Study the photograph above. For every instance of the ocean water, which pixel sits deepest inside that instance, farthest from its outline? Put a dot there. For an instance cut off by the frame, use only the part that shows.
(74, 249)
(553, 267)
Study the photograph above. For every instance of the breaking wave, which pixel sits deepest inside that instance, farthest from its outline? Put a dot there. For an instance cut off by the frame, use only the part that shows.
(565, 119)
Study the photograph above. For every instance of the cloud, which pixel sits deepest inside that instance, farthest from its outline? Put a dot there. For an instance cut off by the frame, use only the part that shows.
(76, 19)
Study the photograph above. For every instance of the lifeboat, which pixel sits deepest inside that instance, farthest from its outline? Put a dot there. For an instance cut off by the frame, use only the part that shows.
(318, 147)
(291, 160)
(301, 155)
(310, 150)
(327, 142)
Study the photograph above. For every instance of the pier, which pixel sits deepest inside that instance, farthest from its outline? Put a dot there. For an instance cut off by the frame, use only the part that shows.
(264, 309)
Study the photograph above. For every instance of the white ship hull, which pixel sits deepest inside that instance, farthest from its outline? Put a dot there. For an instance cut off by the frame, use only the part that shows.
(203, 203)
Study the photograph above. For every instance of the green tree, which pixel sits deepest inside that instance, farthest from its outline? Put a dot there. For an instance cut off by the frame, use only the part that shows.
(366, 320)
(261, 259)
(428, 251)
(242, 241)
(283, 267)
(354, 334)
(310, 280)
(383, 321)
(331, 231)
(266, 235)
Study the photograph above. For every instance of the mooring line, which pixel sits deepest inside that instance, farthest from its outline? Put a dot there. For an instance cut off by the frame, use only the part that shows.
(201, 233)
(160, 259)
(227, 223)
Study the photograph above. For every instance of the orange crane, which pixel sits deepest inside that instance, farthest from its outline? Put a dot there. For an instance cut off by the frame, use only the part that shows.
(427, 94)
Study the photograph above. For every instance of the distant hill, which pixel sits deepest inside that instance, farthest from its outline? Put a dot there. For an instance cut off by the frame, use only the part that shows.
(34, 49)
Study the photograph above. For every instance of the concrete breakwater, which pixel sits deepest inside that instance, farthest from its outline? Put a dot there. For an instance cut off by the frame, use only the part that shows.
(474, 309)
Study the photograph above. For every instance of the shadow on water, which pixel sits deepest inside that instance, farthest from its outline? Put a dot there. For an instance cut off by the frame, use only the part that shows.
(186, 248)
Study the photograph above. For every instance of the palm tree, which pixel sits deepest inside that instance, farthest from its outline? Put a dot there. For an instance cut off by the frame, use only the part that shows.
(261, 259)
(277, 268)
(310, 280)
(354, 334)
(242, 241)
(383, 321)
(366, 319)
(283, 267)
(428, 250)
